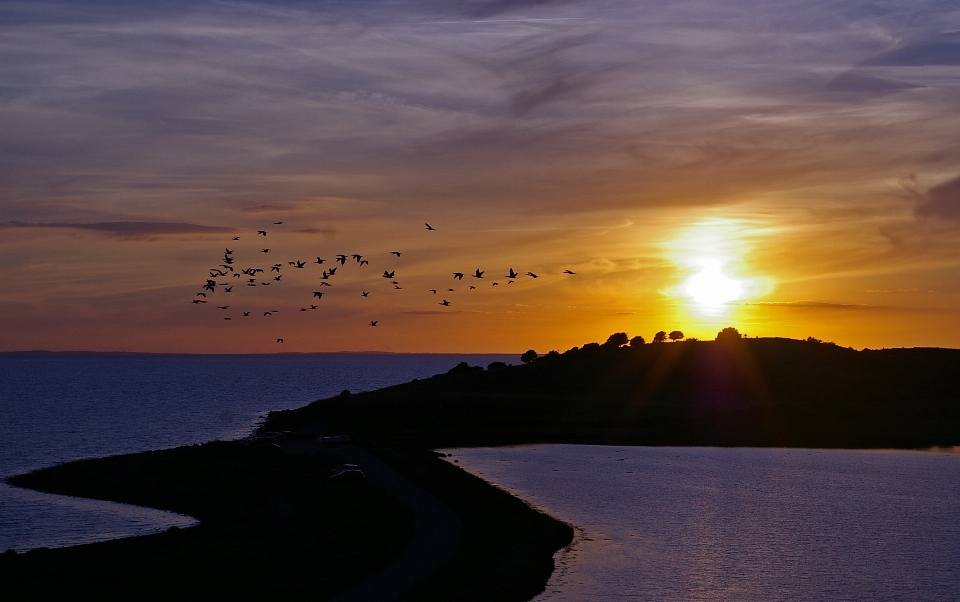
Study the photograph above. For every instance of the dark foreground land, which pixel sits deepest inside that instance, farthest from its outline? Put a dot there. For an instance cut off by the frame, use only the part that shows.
(273, 525)
(740, 392)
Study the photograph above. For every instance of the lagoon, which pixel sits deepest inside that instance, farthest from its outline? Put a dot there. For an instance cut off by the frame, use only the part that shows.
(745, 524)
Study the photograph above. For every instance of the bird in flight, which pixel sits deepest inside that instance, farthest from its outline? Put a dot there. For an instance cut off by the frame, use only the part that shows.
(318, 294)
(300, 264)
(210, 285)
(236, 238)
(364, 262)
(357, 256)
(496, 283)
(313, 307)
(229, 289)
(303, 309)
(471, 287)
(342, 259)
(398, 287)
(265, 251)
(265, 283)
(451, 290)
(568, 272)
(277, 223)
(279, 340)
(387, 274)
(458, 275)
(512, 274)
(445, 303)
(199, 301)
(429, 227)
(373, 322)
(325, 283)
(364, 293)
(532, 275)
(319, 261)
(277, 278)
(267, 313)
(226, 318)
(262, 232)
(434, 291)
(397, 253)
(246, 313)
(479, 274)
(227, 251)
(201, 294)
(275, 268)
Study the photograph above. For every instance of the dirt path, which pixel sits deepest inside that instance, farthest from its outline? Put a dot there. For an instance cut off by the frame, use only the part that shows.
(436, 534)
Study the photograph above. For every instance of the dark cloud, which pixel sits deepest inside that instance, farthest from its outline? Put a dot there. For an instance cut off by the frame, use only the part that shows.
(942, 201)
(128, 229)
(324, 231)
(942, 50)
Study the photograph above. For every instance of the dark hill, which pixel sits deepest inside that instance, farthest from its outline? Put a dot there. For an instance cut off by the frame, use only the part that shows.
(771, 392)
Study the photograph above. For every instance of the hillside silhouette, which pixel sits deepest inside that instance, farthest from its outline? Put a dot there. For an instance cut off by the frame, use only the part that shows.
(732, 391)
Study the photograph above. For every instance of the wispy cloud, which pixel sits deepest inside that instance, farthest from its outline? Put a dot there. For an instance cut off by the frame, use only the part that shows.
(127, 229)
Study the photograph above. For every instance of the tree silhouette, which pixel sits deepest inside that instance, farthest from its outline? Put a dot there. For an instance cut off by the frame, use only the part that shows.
(676, 335)
(728, 334)
(617, 339)
(660, 337)
(528, 356)
(637, 341)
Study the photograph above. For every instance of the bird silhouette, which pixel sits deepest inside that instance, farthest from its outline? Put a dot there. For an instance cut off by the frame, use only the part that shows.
(568, 272)
(333, 271)
(229, 289)
(364, 293)
(226, 318)
(300, 264)
(265, 283)
(397, 286)
(198, 301)
(429, 227)
(265, 251)
(279, 340)
(319, 261)
(496, 283)
(434, 291)
(275, 268)
(532, 275)
(277, 223)
(397, 253)
(236, 238)
(246, 313)
(324, 283)
(451, 290)
(357, 257)
(373, 322)
(236, 275)
(210, 285)
(267, 313)
(342, 259)
(251, 284)
(201, 294)
(364, 262)
(303, 309)
(313, 307)
(277, 278)
(479, 274)
(445, 303)
(458, 275)
(388, 275)
(325, 275)
(471, 287)
(227, 251)
(262, 232)
(512, 274)
(318, 294)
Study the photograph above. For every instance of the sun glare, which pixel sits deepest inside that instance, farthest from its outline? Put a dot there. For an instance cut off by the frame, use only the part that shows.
(710, 289)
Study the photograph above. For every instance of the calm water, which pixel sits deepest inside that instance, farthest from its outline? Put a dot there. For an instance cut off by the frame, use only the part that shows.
(741, 524)
(64, 407)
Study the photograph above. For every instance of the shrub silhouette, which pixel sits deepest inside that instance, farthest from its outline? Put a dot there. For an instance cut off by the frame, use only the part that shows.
(496, 365)
(728, 334)
(660, 337)
(676, 335)
(617, 339)
(528, 356)
(637, 341)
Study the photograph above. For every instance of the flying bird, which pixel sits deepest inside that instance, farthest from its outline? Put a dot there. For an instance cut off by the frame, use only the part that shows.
(303, 309)
(342, 259)
(201, 294)
(300, 264)
(388, 275)
(226, 318)
(373, 322)
(479, 274)
(397, 253)
(357, 257)
(364, 293)
(451, 290)
(227, 251)
(434, 291)
(397, 286)
(277, 223)
(458, 275)
(277, 278)
(333, 271)
(265, 251)
(265, 283)
(236, 275)
(262, 232)
(246, 313)
(236, 238)
(364, 262)
(471, 287)
(229, 289)
(495, 283)
(319, 261)
(198, 301)
(313, 307)
(279, 340)
(445, 303)
(267, 313)
(512, 274)
(324, 283)
(275, 268)
(568, 272)
(532, 275)
(318, 294)
(210, 285)
(429, 227)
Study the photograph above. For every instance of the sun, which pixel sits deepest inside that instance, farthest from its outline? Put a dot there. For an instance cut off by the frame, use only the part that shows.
(709, 288)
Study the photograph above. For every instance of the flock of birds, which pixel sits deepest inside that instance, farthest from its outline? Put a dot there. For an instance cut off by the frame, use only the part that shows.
(236, 275)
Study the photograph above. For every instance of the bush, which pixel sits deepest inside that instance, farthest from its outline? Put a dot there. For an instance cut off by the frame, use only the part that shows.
(496, 365)
(660, 337)
(617, 339)
(637, 341)
(728, 334)
(676, 335)
(528, 356)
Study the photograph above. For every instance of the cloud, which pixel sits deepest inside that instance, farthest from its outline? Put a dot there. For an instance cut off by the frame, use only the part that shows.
(812, 305)
(941, 50)
(269, 207)
(866, 85)
(942, 201)
(324, 231)
(128, 229)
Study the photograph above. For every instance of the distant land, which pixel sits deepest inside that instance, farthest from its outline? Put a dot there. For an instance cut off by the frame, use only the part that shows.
(734, 392)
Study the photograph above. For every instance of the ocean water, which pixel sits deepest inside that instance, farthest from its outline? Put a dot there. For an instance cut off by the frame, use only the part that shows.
(56, 408)
(712, 524)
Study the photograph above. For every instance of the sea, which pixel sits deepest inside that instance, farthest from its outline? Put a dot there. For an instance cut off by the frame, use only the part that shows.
(728, 524)
(56, 408)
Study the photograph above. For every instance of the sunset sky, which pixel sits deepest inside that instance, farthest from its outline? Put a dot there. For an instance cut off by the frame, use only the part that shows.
(797, 161)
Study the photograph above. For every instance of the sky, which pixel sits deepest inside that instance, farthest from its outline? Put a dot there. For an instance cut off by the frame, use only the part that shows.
(789, 169)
